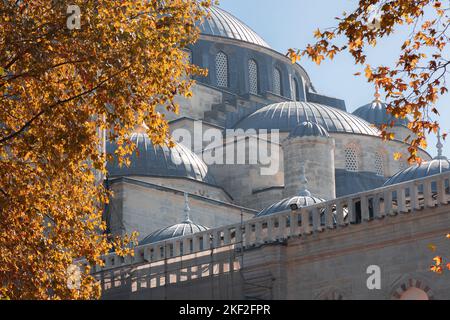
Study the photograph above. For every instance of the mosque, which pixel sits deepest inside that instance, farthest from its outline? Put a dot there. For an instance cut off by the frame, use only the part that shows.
(321, 152)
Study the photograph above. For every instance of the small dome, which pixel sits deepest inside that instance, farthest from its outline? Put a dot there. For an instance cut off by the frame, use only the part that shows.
(175, 231)
(425, 169)
(286, 116)
(376, 113)
(309, 129)
(304, 199)
(286, 204)
(439, 164)
(186, 228)
(223, 24)
(160, 161)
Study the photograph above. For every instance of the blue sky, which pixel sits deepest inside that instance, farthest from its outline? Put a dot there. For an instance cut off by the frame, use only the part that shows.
(290, 23)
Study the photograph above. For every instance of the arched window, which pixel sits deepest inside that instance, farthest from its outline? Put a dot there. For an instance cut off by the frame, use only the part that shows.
(351, 159)
(296, 91)
(253, 76)
(414, 294)
(379, 164)
(277, 81)
(222, 70)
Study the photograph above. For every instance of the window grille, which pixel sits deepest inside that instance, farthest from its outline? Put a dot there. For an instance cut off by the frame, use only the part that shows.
(379, 164)
(222, 69)
(277, 81)
(253, 76)
(351, 160)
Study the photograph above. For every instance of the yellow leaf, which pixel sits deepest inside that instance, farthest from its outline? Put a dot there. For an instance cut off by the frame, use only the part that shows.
(437, 261)
(398, 156)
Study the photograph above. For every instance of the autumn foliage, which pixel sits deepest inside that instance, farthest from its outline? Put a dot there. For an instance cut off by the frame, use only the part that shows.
(59, 89)
(414, 84)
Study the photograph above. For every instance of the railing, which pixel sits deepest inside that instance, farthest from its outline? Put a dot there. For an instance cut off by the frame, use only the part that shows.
(338, 213)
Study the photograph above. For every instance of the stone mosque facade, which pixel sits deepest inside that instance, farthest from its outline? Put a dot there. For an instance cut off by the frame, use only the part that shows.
(323, 153)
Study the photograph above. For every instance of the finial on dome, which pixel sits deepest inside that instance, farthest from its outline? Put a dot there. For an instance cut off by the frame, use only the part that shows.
(141, 128)
(187, 209)
(377, 93)
(439, 145)
(304, 182)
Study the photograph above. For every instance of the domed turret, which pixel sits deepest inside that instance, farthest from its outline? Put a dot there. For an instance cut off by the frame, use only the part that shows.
(309, 143)
(438, 165)
(309, 129)
(185, 228)
(160, 161)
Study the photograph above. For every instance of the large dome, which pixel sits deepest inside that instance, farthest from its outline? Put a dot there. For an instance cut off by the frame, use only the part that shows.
(286, 116)
(161, 161)
(223, 24)
(377, 114)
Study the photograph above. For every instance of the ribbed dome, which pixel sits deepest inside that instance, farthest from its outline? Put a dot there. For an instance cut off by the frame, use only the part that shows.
(160, 161)
(285, 204)
(223, 24)
(376, 113)
(425, 169)
(175, 231)
(286, 116)
(309, 129)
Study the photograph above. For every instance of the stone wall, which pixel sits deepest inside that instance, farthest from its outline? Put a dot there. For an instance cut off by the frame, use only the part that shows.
(143, 207)
(328, 265)
(317, 155)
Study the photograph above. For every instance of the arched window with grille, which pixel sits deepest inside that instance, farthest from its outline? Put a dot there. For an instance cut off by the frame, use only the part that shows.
(351, 159)
(296, 90)
(277, 85)
(222, 69)
(379, 164)
(253, 76)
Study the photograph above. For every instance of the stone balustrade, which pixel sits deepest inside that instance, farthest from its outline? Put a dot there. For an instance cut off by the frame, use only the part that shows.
(359, 208)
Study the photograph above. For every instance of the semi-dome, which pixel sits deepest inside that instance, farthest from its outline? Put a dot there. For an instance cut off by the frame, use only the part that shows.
(439, 164)
(376, 113)
(186, 228)
(160, 161)
(223, 24)
(309, 129)
(286, 116)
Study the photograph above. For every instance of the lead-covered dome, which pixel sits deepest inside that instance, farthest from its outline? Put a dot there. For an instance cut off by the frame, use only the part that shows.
(286, 116)
(160, 161)
(186, 228)
(286, 204)
(223, 24)
(303, 200)
(172, 232)
(309, 129)
(439, 164)
(423, 170)
(377, 114)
